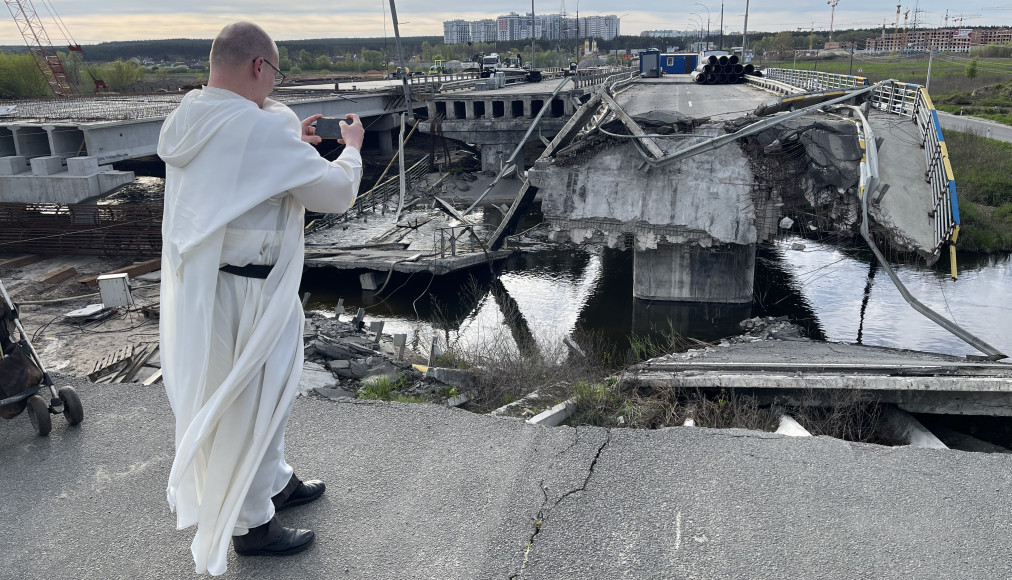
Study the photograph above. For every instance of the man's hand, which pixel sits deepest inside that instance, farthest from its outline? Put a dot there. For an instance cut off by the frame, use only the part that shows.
(309, 131)
(352, 131)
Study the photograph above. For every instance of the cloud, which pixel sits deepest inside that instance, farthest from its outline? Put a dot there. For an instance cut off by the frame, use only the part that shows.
(91, 22)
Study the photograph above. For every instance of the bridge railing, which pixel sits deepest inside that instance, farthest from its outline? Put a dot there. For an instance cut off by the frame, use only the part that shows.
(375, 197)
(939, 173)
(596, 76)
(814, 80)
(911, 101)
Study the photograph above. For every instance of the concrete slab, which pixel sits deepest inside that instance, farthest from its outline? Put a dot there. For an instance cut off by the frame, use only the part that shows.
(905, 206)
(421, 491)
(679, 93)
(917, 382)
(13, 165)
(46, 165)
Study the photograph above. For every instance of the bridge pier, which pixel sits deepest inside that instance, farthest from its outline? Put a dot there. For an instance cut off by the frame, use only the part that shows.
(691, 273)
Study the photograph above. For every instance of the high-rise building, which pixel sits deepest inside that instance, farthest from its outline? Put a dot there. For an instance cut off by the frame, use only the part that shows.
(513, 26)
(456, 32)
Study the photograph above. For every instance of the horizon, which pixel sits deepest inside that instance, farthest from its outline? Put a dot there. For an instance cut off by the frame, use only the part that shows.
(125, 20)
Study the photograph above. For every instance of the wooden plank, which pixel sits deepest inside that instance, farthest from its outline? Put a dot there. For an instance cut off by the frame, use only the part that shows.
(20, 261)
(154, 378)
(134, 270)
(59, 275)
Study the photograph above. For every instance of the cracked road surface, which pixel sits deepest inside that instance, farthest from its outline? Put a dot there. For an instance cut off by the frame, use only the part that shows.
(419, 491)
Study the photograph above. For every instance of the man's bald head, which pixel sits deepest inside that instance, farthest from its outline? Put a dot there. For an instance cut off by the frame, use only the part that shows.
(239, 43)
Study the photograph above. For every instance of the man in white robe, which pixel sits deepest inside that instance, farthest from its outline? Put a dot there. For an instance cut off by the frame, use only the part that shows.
(240, 172)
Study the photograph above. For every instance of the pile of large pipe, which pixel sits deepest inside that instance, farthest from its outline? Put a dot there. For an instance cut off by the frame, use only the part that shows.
(722, 70)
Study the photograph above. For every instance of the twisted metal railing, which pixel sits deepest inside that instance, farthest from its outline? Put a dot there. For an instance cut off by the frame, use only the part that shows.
(911, 101)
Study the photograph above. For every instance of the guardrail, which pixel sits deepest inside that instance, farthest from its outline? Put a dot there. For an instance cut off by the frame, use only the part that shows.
(596, 76)
(814, 80)
(375, 197)
(911, 101)
(457, 240)
(939, 175)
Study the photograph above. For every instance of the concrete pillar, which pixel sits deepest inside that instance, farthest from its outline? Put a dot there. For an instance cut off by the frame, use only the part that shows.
(691, 273)
(451, 110)
(386, 145)
(431, 107)
(488, 110)
(528, 114)
(469, 110)
(494, 155)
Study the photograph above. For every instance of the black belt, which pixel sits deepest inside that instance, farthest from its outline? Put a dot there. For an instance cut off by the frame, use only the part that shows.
(260, 271)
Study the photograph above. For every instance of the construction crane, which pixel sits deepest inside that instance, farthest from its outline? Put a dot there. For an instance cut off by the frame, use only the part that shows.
(832, 16)
(46, 58)
(963, 17)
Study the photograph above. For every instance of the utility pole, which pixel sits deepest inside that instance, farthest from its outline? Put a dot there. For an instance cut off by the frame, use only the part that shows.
(927, 83)
(400, 58)
(532, 37)
(745, 30)
(722, 26)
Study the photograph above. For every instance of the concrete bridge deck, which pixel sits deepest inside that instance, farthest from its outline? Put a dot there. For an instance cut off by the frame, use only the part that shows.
(58, 150)
(801, 369)
(420, 491)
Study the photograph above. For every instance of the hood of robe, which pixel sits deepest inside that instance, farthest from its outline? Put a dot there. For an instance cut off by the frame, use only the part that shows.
(198, 119)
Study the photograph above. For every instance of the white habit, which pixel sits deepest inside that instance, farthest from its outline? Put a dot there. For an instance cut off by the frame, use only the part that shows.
(238, 180)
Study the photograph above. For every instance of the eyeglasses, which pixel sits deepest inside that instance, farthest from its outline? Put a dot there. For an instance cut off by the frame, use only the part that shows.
(279, 77)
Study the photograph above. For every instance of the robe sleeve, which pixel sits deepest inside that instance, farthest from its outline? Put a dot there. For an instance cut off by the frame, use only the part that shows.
(335, 190)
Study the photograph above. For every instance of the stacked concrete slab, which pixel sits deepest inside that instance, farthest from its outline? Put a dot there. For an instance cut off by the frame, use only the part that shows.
(53, 179)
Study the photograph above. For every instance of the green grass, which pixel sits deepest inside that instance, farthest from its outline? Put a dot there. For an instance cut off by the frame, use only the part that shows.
(383, 389)
(948, 78)
(984, 190)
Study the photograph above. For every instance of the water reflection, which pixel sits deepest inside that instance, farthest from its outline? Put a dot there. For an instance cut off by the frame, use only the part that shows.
(834, 293)
(855, 303)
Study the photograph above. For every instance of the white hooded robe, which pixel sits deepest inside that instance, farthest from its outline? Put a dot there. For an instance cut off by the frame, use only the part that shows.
(238, 181)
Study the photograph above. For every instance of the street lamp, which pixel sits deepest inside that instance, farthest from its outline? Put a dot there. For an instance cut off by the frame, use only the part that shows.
(832, 15)
(706, 40)
(700, 23)
(619, 27)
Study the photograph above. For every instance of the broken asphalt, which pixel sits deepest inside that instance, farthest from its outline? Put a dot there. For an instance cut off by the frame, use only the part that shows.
(422, 491)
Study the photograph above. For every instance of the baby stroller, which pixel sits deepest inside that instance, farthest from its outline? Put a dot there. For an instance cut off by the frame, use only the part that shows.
(22, 376)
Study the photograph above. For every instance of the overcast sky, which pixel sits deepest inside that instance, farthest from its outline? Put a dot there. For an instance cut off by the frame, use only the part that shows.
(92, 21)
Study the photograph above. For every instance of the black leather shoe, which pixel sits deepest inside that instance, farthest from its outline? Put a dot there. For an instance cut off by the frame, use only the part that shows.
(272, 539)
(298, 493)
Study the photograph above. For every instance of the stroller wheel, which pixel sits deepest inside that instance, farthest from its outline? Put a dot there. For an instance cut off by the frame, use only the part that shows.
(38, 413)
(72, 409)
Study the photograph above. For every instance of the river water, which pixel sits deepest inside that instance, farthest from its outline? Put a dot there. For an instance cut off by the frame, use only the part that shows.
(833, 292)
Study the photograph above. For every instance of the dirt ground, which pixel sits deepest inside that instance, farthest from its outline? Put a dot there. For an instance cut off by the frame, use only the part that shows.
(73, 347)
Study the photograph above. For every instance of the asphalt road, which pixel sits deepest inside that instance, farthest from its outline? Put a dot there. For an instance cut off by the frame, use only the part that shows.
(981, 127)
(419, 491)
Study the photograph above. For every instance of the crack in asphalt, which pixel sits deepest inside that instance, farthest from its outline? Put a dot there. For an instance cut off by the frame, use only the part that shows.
(545, 508)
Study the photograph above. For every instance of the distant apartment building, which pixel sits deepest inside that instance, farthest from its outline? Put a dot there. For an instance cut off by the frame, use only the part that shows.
(939, 39)
(513, 26)
(483, 30)
(456, 32)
